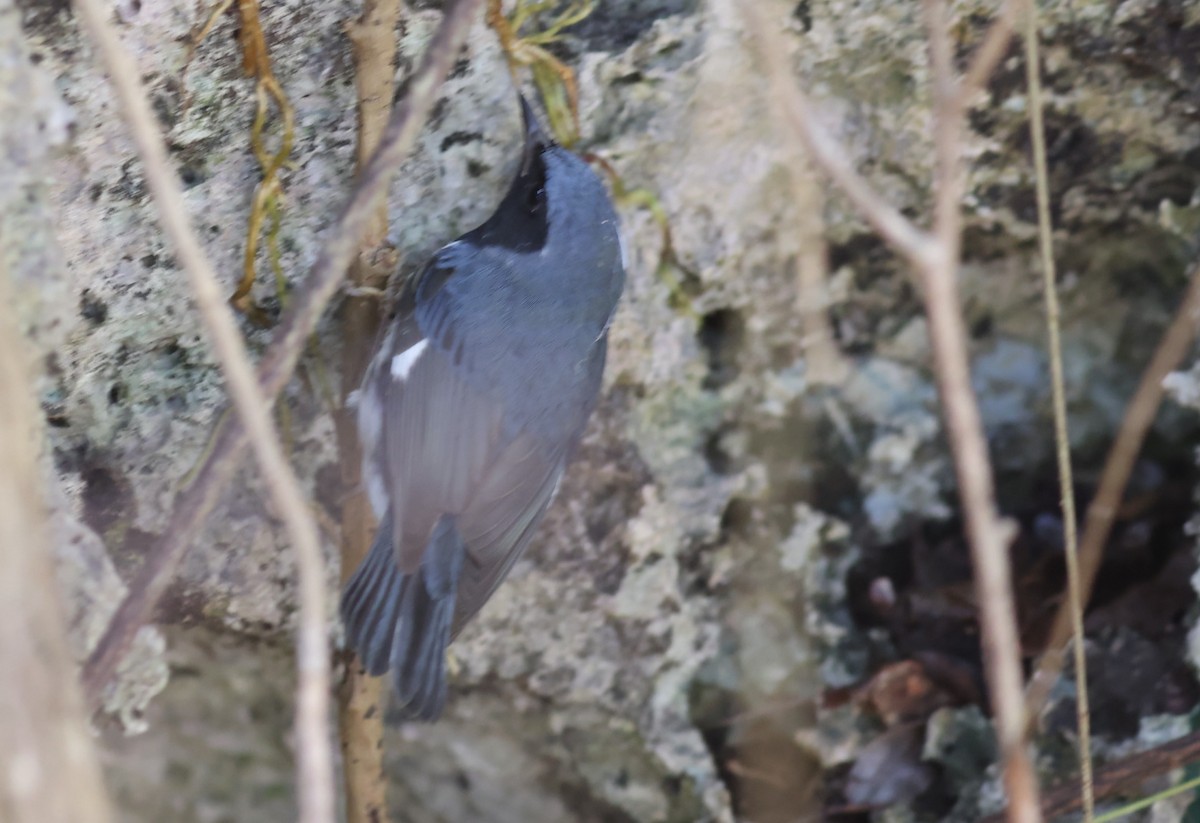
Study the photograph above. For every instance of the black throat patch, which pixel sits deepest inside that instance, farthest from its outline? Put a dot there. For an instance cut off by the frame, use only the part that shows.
(521, 222)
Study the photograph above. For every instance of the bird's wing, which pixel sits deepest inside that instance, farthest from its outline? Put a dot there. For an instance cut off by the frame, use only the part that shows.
(446, 454)
(512, 497)
(449, 448)
(446, 446)
(439, 436)
(502, 517)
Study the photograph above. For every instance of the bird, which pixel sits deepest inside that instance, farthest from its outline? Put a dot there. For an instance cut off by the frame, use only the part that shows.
(472, 407)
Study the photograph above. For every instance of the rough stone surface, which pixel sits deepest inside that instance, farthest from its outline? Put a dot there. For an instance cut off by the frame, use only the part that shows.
(36, 122)
(692, 563)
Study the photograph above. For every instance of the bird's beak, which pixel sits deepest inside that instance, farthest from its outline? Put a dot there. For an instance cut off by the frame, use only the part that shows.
(535, 138)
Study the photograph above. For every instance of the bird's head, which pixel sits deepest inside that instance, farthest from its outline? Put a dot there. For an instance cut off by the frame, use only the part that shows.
(556, 205)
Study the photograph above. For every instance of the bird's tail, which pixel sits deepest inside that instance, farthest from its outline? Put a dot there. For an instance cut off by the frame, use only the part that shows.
(402, 621)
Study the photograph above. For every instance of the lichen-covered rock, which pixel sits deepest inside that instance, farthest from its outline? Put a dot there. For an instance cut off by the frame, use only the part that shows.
(36, 122)
(694, 562)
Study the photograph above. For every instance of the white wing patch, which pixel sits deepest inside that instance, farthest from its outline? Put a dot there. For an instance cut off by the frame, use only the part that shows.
(403, 362)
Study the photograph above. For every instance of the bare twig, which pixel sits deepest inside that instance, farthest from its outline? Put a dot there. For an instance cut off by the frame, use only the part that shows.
(194, 504)
(990, 51)
(314, 760)
(1139, 416)
(826, 364)
(1146, 801)
(360, 696)
(1061, 438)
(828, 154)
(948, 174)
(229, 438)
(988, 535)
(935, 262)
(1120, 776)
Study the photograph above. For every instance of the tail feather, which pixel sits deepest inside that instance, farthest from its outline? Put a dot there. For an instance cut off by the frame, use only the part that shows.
(402, 622)
(359, 595)
(419, 649)
(369, 603)
(378, 649)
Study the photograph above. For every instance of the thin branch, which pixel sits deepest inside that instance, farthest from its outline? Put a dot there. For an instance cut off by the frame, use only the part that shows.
(1148, 801)
(1061, 437)
(194, 504)
(935, 261)
(948, 173)
(314, 759)
(990, 51)
(360, 696)
(229, 438)
(1139, 416)
(827, 153)
(1120, 776)
(826, 364)
(988, 535)
(825, 361)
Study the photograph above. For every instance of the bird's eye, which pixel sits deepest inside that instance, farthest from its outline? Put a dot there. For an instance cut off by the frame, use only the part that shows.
(536, 197)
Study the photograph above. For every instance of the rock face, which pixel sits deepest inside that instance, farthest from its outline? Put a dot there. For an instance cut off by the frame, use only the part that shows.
(673, 582)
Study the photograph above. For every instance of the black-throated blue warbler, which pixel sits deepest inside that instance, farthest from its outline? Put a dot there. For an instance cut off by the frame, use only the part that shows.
(472, 407)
